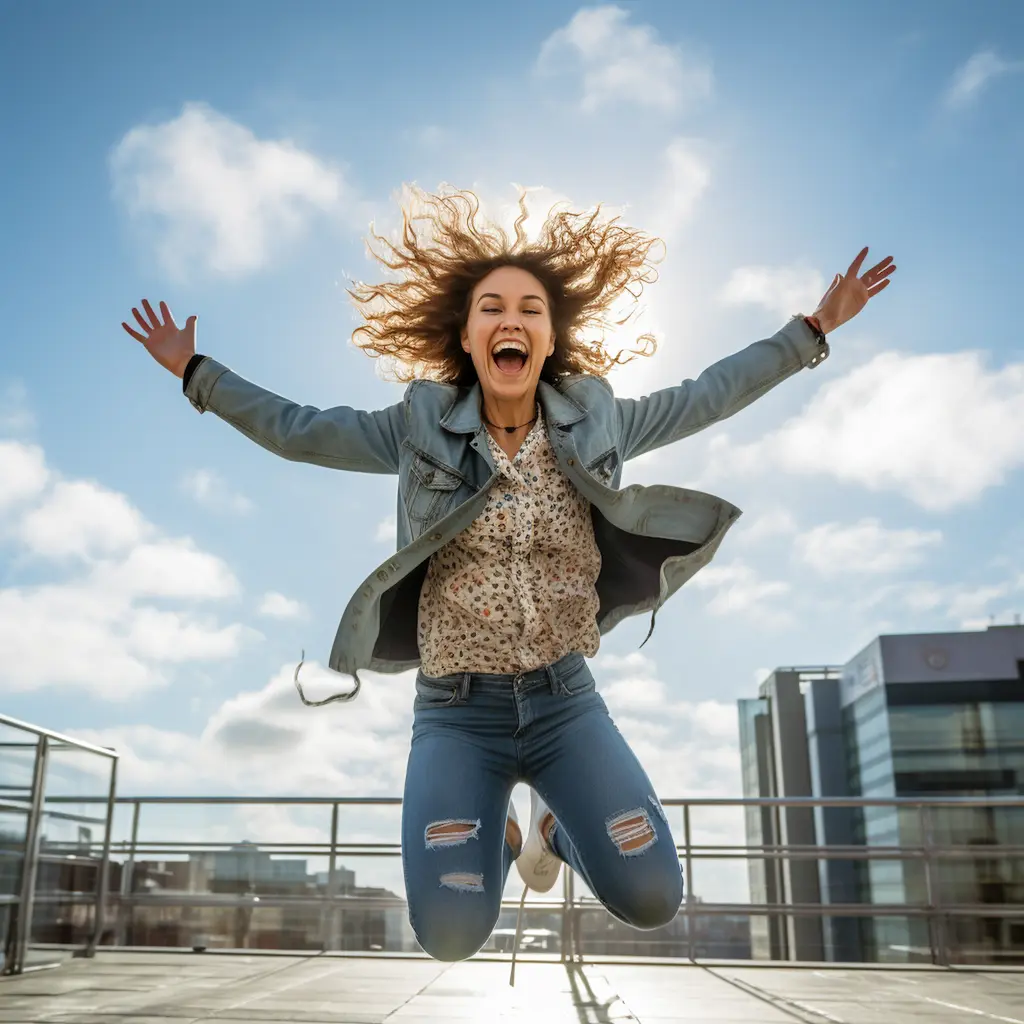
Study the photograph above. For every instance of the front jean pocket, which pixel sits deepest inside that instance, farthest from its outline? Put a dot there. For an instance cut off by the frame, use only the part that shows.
(435, 693)
(578, 681)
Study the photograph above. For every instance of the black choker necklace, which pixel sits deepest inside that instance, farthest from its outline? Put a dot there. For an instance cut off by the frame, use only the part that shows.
(509, 430)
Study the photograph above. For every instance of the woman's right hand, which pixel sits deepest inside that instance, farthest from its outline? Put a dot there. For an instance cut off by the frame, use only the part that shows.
(170, 347)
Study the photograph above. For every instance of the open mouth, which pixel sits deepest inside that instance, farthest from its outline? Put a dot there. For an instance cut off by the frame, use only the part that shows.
(510, 357)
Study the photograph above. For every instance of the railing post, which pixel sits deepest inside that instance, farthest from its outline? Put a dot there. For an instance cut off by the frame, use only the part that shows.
(688, 883)
(30, 863)
(103, 882)
(124, 908)
(933, 890)
(328, 919)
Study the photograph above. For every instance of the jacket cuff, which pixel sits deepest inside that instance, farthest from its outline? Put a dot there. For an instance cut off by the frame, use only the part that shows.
(812, 351)
(199, 379)
(190, 368)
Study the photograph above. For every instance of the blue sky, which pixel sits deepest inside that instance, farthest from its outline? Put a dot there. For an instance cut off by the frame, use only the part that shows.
(159, 574)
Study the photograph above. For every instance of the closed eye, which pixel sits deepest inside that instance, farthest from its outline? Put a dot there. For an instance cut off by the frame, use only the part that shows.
(495, 309)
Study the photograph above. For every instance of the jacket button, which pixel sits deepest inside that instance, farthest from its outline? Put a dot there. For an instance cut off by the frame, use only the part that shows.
(571, 462)
(435, 536)
(382, 576)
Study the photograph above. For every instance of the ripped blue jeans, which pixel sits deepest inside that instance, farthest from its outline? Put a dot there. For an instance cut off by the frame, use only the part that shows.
(474, 737)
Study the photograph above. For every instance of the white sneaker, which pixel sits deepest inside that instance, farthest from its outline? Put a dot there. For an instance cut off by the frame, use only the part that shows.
(537, 864)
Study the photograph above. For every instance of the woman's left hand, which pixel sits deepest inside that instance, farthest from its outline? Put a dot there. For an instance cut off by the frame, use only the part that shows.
(848, 294)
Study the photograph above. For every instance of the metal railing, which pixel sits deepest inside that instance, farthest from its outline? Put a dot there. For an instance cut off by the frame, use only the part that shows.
(332, 904)
(27, 802)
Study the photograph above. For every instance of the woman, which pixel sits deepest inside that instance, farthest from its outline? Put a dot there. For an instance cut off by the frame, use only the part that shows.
(516, 547)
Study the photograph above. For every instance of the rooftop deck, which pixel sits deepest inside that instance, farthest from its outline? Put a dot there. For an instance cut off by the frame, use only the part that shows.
(151, 987)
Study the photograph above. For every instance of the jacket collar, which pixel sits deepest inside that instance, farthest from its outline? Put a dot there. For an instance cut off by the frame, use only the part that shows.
(464, 415)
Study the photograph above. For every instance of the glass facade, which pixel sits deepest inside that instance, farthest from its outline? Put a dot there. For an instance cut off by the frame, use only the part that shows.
(929, 717)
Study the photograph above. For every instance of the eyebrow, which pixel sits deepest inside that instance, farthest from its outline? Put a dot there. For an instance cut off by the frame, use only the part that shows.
(495, 295)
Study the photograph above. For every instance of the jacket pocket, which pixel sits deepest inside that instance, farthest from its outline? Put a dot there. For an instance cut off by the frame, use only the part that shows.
(604, 467)
(431, 490)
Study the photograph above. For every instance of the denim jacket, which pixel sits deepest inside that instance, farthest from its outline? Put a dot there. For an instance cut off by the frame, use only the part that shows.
(652, 539)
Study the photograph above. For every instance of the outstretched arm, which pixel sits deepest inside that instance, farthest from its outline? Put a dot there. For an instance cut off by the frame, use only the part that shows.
(339, 438)
(736, 381)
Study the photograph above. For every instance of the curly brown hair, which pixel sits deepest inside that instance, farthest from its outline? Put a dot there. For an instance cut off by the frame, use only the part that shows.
(584, 264)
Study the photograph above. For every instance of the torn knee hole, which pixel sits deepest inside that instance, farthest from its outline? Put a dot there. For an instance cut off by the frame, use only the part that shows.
(631, 831)
(463, 881)
(452, 832)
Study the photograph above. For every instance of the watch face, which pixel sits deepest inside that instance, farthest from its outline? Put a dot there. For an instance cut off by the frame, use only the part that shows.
(936, 658)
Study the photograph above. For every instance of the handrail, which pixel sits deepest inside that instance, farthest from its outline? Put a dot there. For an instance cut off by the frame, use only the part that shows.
(927, 852)
(852, 802)
(37, 730)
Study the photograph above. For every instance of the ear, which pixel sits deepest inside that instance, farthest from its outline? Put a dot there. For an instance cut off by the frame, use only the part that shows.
(551, 345)
(464, 338)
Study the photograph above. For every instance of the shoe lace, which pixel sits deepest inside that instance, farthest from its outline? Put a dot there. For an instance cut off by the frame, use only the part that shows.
(519, 935)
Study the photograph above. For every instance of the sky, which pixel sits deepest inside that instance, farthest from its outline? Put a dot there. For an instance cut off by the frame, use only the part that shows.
(160, 574)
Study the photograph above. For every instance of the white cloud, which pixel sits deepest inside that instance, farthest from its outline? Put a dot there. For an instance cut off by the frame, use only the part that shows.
(170, 568)
(835, 549)
(973, 76)
(687, 177)
(168, 637)
(221, 199)
(967, 606)
(212, 491)
(775, 522)
(624, 63)
(387, 531)
(93, 630)
(23, 472)
(277, 606)
(78, 635)
(16, 416)
(940, 429)
(266, 741)
(780, 290)
(737, 587)
(80, 518)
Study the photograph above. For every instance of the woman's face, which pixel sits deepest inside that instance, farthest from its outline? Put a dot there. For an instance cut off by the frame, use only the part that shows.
(508, 334)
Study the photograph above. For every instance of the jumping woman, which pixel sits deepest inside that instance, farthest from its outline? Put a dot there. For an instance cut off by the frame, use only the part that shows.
(517, 549)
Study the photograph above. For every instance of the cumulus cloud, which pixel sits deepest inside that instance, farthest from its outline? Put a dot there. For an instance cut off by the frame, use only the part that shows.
(736, 587)
(82, 519)
(277, 606)
(16, 416)
(214, 196)
(975, 75)
(96, 630)
(964, 605)
(780, 290)
(265, 742)
(23, 472)
(687, 177)
(939, 429)
(387, 531)
(624, 63)
(211, 491)
(774, 522)
(864, 547)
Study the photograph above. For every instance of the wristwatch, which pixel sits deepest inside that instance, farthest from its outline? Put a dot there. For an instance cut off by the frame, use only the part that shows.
(822, 353)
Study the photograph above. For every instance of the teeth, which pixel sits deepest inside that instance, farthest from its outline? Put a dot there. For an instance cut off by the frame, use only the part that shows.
(510, 344)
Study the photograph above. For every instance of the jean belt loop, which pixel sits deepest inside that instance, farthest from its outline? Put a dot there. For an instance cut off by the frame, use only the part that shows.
(553, 680)
(464, 686)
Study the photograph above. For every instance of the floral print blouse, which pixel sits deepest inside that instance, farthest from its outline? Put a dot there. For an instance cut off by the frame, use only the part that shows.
(517, 589)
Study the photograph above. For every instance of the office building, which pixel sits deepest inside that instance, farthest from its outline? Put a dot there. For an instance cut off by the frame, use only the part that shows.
(922, 715)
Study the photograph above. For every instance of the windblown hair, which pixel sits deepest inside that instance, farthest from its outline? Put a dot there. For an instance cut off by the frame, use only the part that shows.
(585, 265)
